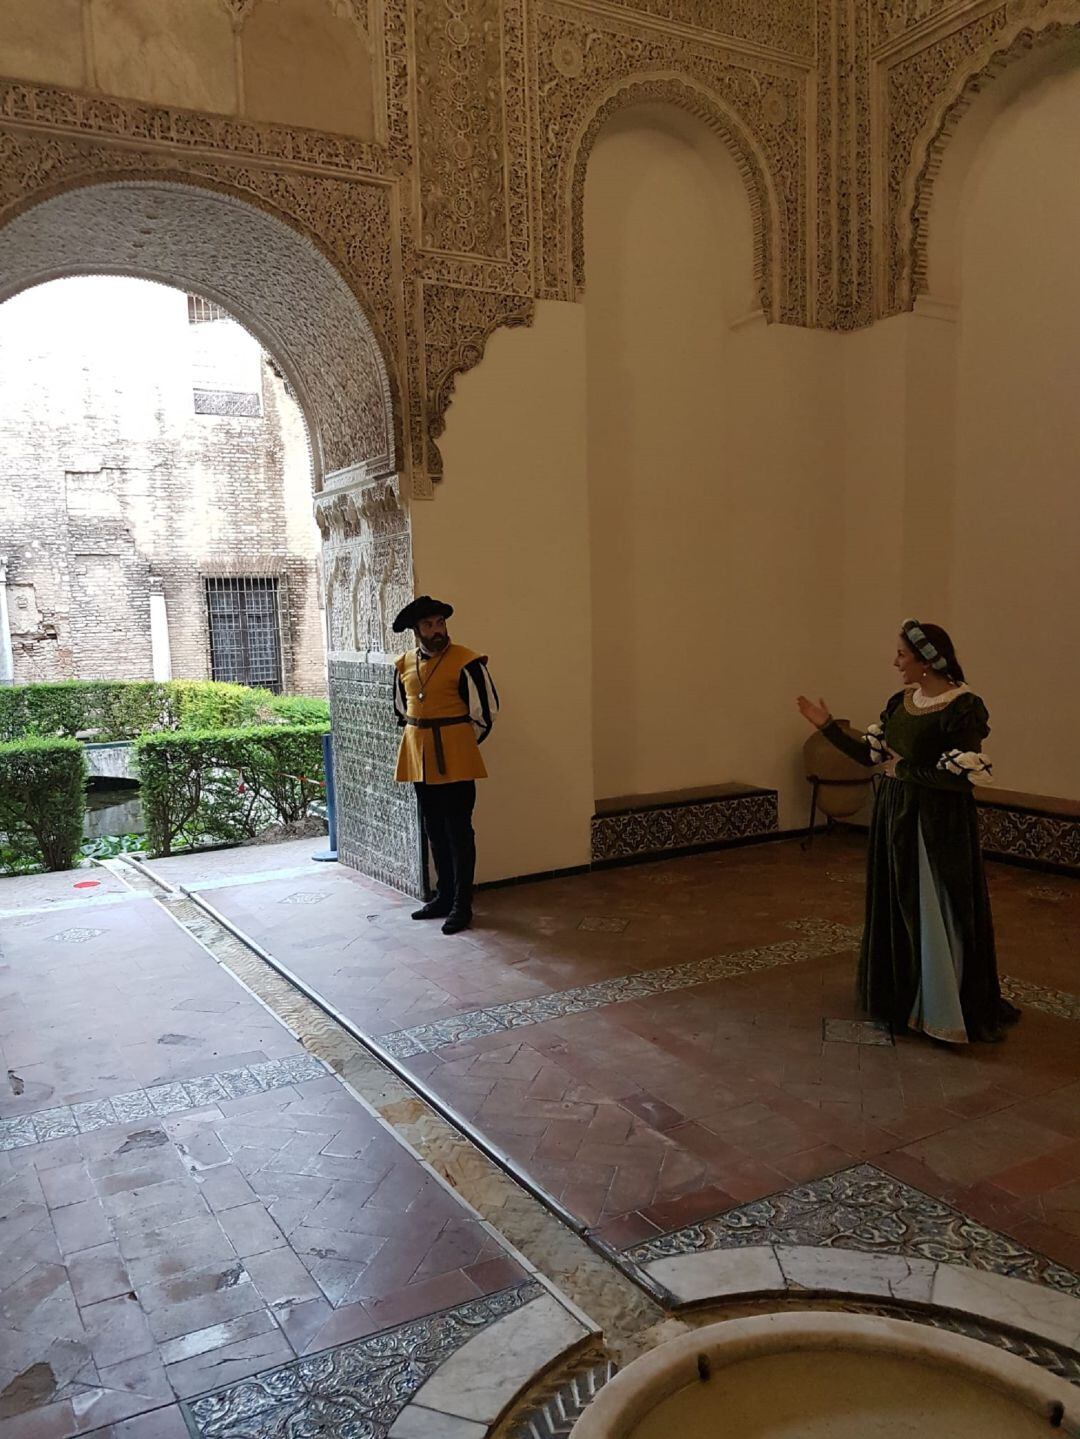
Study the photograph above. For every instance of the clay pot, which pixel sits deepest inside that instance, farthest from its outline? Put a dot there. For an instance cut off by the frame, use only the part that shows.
(843, 784)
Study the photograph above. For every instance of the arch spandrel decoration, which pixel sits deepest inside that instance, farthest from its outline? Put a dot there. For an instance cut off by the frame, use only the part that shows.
(589, 67)
(675, 91)
(281, 285)
(927, 92)
(290, 297)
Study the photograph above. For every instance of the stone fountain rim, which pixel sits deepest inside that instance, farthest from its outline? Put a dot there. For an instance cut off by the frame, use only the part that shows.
(663, 1372)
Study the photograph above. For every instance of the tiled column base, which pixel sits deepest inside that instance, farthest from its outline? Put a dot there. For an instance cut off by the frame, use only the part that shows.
(378, 830)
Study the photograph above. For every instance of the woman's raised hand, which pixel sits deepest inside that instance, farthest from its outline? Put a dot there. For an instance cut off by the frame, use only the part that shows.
(817, 714)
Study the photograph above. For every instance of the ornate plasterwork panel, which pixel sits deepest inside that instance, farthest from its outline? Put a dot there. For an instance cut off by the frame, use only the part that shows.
(292, 298)
(588, 66)
(924, 87)
(460, 127)
(473, 144)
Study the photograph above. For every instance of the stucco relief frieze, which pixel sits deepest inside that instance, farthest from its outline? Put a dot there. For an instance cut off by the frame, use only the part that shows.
(587, 67)
(368, 566)
(151, 125)
(925, 92)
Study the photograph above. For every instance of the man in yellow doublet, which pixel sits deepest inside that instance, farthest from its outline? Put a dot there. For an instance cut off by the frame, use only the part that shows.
(446, 704)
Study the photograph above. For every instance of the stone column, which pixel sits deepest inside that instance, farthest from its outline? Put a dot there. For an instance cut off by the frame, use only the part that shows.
(7, 659)
(161, 656)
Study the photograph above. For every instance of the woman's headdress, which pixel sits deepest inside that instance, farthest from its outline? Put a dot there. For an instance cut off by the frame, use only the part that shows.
(916, 637)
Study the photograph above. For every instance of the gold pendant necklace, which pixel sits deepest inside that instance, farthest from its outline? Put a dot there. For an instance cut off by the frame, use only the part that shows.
(422, 683)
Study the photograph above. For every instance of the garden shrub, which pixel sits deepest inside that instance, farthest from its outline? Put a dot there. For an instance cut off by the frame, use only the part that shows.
(94, 709)
(203, 705)
(300, 709)
(111, 710)
(226, 785)
(42, 797)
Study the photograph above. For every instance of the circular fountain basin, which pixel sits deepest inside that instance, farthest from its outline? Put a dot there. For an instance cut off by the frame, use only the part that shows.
(829, 1376)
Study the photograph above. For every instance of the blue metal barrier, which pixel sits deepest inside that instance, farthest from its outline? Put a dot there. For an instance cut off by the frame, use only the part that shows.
(330, 855)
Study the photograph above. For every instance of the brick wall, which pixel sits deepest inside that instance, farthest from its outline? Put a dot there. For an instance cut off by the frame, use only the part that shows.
(108, 476)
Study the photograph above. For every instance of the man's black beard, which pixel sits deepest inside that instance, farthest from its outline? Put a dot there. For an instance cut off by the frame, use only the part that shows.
(435, 644)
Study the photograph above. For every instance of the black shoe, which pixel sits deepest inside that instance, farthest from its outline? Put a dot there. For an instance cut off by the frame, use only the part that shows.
(434, 909)
(456, 921)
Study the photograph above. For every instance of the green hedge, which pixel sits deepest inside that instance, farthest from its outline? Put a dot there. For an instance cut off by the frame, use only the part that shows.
(227, 785)
(42, 797)
(106, 710)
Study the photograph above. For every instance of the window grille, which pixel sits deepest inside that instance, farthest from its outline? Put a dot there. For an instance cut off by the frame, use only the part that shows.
(201, 312)
(245, 637)
(228, 402)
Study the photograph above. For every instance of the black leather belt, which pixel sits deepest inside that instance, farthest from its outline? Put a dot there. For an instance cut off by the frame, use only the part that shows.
(437, 726)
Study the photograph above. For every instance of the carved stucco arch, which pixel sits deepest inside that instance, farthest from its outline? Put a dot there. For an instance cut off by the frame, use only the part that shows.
(906, 240)
(682, 93)
(261, 268)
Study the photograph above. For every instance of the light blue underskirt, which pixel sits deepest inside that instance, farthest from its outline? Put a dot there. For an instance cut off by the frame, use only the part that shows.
(937, 1010)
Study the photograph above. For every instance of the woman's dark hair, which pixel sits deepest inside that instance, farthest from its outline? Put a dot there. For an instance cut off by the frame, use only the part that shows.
(941, 641)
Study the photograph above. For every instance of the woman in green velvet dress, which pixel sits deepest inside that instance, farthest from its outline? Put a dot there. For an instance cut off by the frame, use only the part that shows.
(927, 960)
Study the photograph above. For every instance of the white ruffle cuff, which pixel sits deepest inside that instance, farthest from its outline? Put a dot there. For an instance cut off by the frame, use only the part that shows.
(976, 767)
(875, 738)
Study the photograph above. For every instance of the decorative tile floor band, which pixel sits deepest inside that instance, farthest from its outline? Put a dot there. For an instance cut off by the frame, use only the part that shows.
(160, 1099)
(355, 1391)
(1025, 992)
(865, 1210)
(821, 938)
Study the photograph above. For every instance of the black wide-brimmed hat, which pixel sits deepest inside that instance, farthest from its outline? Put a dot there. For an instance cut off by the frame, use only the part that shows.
(421, 608)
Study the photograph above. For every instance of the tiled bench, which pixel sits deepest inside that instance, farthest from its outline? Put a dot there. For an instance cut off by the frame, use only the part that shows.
(1030, 829)
(630, 827)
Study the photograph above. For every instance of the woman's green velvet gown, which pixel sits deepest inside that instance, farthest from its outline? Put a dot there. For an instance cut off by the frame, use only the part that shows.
(927, 960)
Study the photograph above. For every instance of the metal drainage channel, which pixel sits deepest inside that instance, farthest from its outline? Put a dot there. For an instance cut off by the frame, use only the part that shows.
(656, 1292)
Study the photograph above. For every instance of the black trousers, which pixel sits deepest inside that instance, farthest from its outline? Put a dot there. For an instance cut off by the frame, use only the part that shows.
(447, 812)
